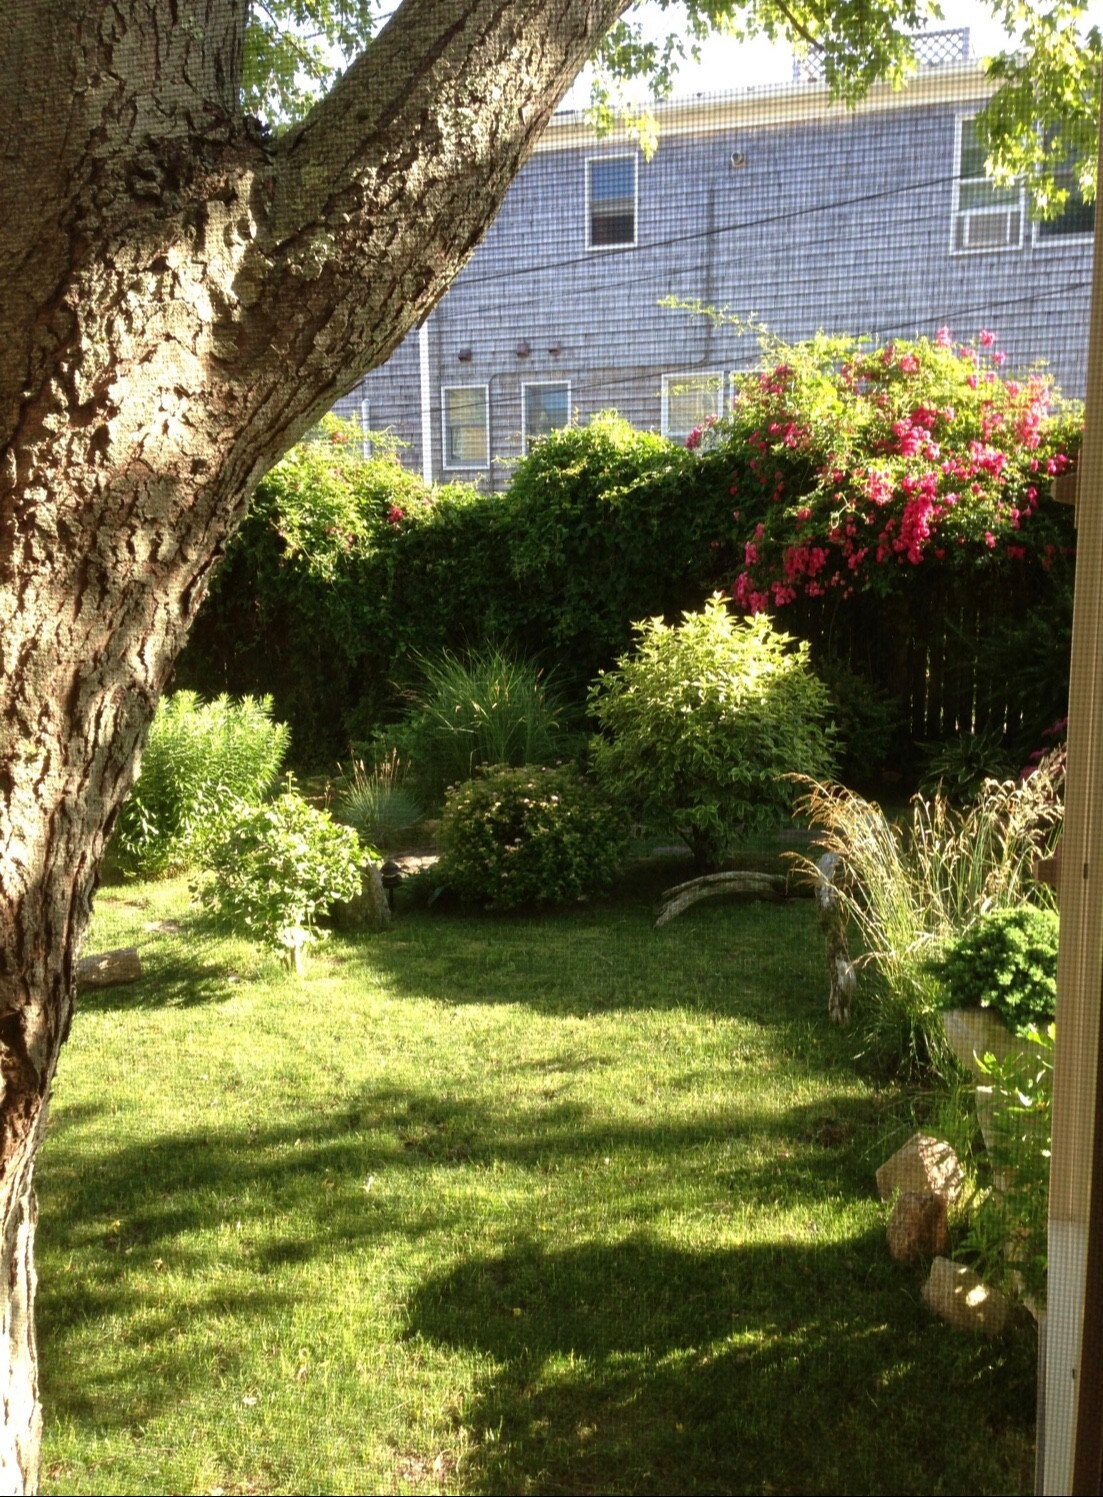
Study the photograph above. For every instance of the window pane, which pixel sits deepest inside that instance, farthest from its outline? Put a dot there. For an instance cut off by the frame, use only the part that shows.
(465, 426)
(971, 163)
(613, 200)
(1077, 217)
(690, 399)
(612, 180)
(546, 409)
(974, 195)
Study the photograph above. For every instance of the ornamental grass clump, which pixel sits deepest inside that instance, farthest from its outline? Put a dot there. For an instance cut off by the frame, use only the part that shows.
(529, 836)
(487, 708)
(378, 804)
(702, 724)
(912, 888)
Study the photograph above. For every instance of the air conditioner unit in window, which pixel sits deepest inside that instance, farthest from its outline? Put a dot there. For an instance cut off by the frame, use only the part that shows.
(990, 229)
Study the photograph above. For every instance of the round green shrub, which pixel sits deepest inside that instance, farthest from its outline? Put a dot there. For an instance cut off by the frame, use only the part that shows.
(702, 725)
(1007, 961)
(276, 870)
(528, 836)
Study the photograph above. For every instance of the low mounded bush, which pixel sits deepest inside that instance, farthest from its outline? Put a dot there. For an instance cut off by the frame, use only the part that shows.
(200, 757)
(274, 871)
(529, 836)
(704, 722)
(1007, 961)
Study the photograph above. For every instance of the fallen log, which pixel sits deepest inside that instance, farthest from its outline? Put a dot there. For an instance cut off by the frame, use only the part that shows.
(713, 885)
(108, 969)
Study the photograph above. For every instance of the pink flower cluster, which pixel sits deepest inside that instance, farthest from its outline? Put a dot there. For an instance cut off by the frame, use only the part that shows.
(928, 455)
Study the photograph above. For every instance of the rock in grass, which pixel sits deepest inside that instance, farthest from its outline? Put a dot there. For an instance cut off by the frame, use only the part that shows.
(922, 1164)
(918, 1226)
(961, 1297)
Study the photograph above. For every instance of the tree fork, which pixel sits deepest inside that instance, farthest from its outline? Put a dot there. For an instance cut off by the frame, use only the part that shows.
(180, 298)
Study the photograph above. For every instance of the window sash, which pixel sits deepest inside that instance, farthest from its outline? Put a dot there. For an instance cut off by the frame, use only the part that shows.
(546, 408)
(466, 416)
(986, 217)
(688, 401)
(611, 200)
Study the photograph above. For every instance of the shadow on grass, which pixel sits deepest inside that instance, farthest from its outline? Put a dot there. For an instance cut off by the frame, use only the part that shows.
(641, 1367)
(215, 1224)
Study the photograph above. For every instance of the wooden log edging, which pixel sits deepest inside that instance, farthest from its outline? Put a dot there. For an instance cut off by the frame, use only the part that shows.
(712, 885)
(841, 971)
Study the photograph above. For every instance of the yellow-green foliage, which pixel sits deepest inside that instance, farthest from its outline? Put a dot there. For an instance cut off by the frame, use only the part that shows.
(702, 723)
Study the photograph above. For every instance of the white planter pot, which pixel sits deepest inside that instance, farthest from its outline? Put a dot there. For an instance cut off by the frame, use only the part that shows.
(975, 1032)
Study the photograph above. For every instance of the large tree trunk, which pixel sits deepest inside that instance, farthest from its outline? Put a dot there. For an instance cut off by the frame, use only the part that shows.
(180, 298)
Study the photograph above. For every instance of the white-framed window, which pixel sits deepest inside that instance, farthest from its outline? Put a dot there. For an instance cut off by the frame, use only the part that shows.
(689, 400)
(611, 202)
(545, 407)
(365, 428)
(985, 217)
(465, 417)
(1075, 221)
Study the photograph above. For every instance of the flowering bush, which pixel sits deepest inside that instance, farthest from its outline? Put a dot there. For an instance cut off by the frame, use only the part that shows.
(856, 463)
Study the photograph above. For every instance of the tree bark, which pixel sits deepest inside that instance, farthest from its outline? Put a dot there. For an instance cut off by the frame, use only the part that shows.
(180, 298)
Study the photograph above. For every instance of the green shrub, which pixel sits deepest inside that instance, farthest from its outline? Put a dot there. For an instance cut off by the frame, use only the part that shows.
(958, 767)
(274, 871)
(487, 708)
(346, 569)
(702, 724)
(528, 836)
(377, 804)
(866, 718)
(1009, 1221)
(912, 888)
(1007, 961)
(603, 524)
(200, 756)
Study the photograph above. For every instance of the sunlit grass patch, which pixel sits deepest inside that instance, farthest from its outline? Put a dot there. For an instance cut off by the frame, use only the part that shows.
(498, 1205)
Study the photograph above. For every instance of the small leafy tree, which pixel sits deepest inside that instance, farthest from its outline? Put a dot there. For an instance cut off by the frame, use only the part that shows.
(276, 870)
(703, 722)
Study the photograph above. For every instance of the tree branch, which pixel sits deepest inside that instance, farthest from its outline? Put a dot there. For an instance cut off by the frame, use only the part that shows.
(382, 193)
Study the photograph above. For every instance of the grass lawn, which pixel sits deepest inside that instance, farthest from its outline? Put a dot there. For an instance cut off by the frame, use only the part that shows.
(558, 1205)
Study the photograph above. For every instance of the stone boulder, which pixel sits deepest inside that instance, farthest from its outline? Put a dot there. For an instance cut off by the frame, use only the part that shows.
(961, 1297)
(922, 1164)
(918, 1226)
